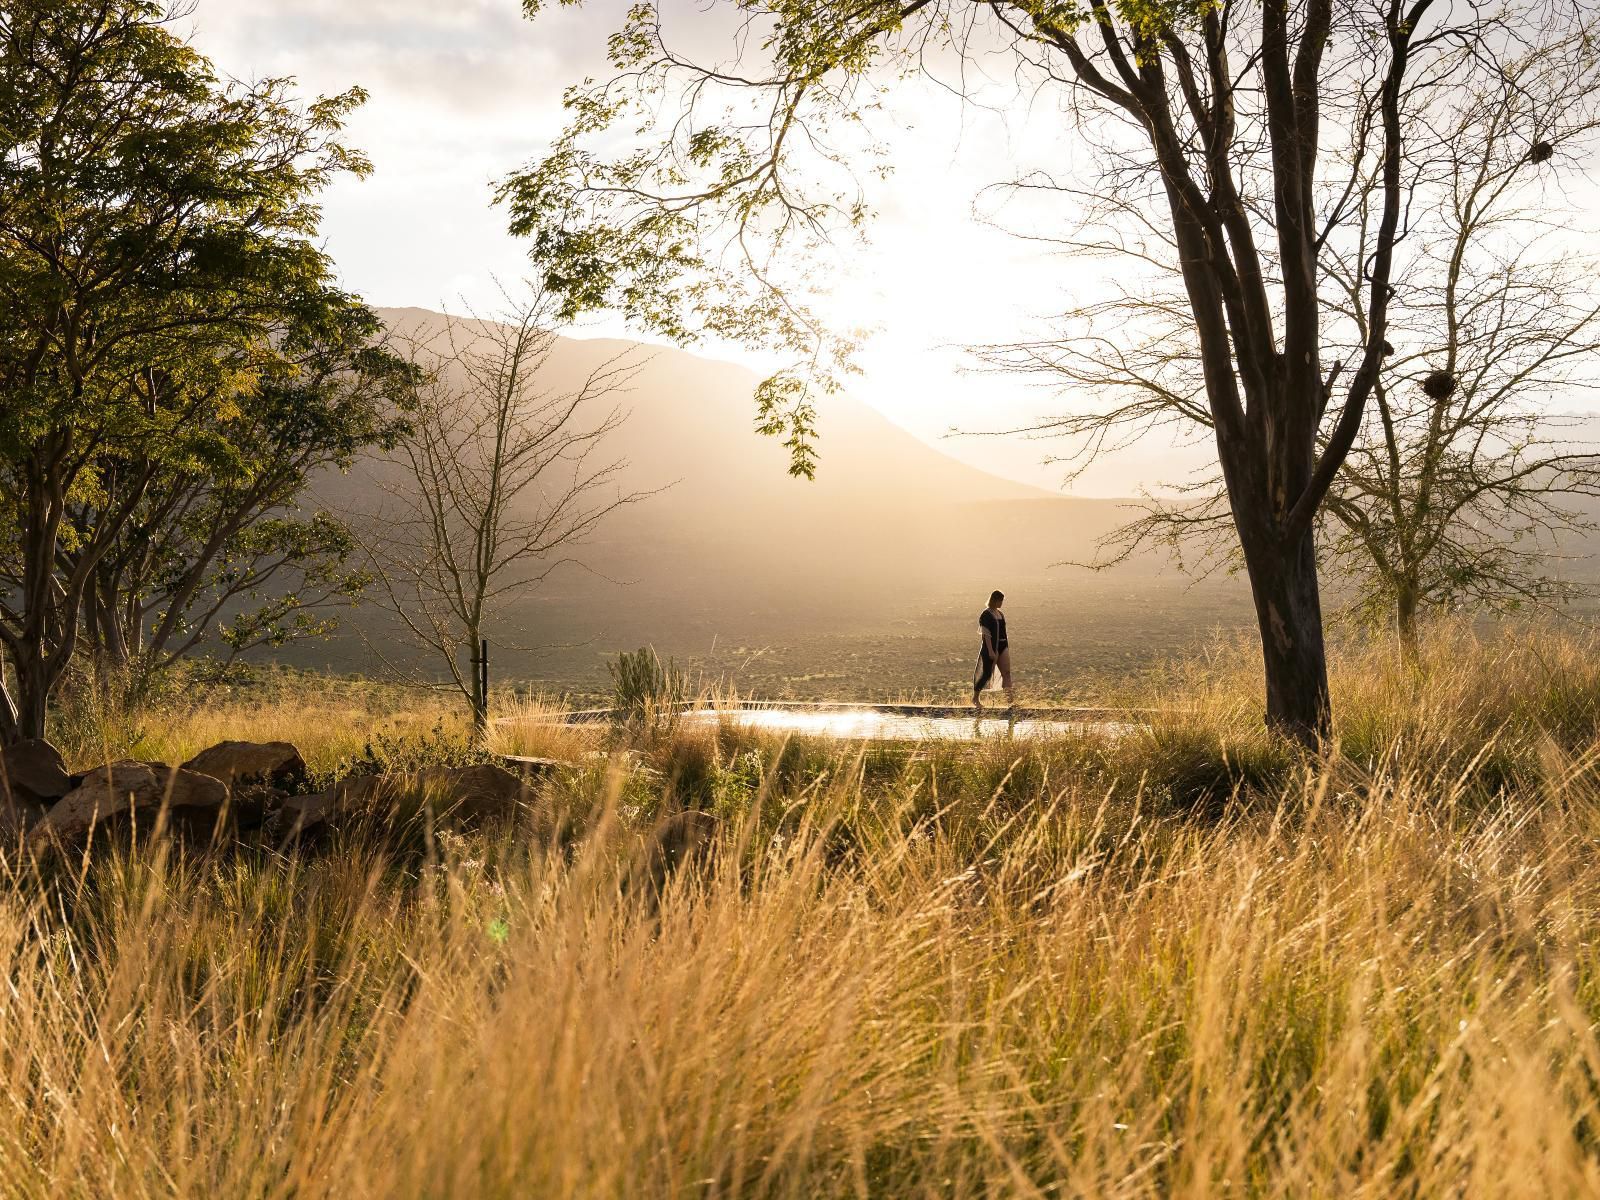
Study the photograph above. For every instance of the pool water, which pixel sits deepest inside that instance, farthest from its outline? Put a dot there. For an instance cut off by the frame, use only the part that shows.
(866, 724)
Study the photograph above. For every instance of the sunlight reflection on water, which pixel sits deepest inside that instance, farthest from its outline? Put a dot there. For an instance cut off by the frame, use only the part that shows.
(868, 724)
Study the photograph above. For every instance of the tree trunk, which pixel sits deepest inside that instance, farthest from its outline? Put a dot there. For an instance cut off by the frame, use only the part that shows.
(1283, 583)
(34, 681)
(1405, 626)
(10, 714)
(480, 710)
(478, 694)
(104, 636)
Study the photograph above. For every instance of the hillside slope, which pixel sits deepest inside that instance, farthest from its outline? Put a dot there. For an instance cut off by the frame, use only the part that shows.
(893, 540)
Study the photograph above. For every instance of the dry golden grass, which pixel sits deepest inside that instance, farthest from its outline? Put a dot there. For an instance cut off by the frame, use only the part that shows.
(967, 971)
(532, 726)
(334, 722)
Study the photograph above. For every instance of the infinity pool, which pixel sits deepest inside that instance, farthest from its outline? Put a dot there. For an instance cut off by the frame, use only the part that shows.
(868, 724)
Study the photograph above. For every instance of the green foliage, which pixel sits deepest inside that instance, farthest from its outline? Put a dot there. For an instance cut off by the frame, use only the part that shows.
(719, 216)
(166, 306)
(223, 557)
(713, 233)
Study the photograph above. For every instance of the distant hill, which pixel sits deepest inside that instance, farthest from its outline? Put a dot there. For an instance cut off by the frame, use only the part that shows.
(893, 539)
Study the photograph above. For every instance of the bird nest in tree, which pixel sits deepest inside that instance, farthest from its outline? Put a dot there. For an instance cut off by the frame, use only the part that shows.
(1541, 152)
(1439, 384)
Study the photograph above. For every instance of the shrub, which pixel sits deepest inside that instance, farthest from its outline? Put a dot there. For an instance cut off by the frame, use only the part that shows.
(647, 694)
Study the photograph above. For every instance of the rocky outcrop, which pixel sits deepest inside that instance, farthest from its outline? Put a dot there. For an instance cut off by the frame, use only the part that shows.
(18, 815)
(307, 814)
(236, 786)
(258, 775)
(480, 793)
(126, 789)
(34, 770)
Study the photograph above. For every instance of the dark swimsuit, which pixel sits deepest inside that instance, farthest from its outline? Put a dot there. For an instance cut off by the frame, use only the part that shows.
(995, 623)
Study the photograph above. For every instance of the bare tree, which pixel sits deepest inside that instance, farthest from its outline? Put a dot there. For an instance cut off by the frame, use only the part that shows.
(501, 477)
(1461, 469)
(1467, 469)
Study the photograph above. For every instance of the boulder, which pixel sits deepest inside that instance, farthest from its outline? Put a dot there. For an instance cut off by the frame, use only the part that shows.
(257, 775)
(275, 764)
(33, 770)
(18, 815)
(131, 787)
(354, 798)
(305, 814)
(475, 793)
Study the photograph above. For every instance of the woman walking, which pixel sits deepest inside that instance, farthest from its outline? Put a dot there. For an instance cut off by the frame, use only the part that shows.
(995, 652)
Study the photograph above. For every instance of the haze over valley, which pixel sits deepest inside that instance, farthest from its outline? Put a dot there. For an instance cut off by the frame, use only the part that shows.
(865, 582)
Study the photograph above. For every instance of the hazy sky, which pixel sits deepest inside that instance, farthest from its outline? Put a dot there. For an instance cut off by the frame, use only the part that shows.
(464, 91)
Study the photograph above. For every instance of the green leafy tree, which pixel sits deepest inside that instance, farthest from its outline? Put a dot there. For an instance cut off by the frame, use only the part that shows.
(156, 228)
(1233, 128)
(223, 559)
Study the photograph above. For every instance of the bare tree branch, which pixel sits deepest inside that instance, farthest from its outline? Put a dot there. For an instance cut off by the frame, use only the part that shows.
(502, 477)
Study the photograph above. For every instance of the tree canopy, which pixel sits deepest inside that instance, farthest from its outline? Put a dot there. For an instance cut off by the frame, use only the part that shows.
(223, 559)
(157, 233)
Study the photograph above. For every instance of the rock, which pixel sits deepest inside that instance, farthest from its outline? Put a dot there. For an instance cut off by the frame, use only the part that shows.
(275, 764)
(191, 798)
(257, 775)
(32, 776)
(354, 798)
(33, 770)
(18, 815)
(467, 793)
(305, 814)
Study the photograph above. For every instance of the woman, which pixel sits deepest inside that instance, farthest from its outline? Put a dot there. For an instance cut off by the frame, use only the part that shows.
(995, 652)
